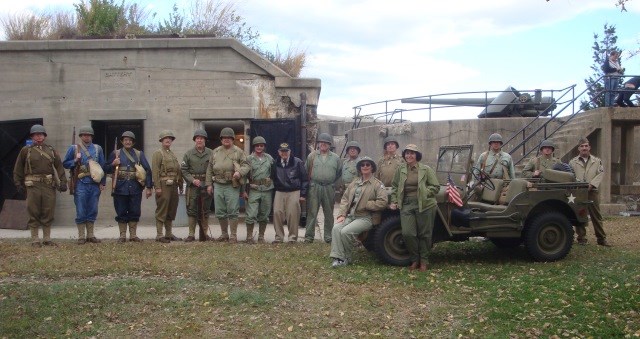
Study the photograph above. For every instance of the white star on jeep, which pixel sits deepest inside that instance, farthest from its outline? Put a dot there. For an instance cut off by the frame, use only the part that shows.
(572, 199)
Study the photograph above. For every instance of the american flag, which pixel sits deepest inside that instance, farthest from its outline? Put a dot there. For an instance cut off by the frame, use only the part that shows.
(452, 192)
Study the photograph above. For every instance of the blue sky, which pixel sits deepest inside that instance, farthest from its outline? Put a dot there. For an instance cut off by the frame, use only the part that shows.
(372, 50)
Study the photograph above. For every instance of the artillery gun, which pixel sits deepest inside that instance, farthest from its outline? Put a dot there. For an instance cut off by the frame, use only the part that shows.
(509, 103)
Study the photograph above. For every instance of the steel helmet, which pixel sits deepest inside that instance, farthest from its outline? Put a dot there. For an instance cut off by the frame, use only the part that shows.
(200, 133)
(388, 140)
(38, 129)
(324, 137)
(414, 148)
(167, 134)
(366, 159)
(547, 143)
(354, 144)
(85, 130)
(258, 140)
(227, 132)
(128, 134)
(495, 137)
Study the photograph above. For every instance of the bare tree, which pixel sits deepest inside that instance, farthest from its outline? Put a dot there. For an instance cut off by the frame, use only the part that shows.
(26, 26)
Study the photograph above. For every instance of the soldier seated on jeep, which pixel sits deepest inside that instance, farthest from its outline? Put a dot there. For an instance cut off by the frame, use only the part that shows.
(538, 213)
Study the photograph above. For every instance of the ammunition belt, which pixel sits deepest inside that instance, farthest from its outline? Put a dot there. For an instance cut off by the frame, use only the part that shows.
(38, 177)
(126, 175)
(199, 176)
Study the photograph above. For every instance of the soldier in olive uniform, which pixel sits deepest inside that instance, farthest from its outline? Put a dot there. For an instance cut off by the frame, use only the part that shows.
(227, 166)
(495, 162)
(389, 162)
(167, 180)
(324, 168)
(39, 172)
(127, 193)
(545, 160)
(349, 171)
(194, 171)
(87, 190)
(259, 189)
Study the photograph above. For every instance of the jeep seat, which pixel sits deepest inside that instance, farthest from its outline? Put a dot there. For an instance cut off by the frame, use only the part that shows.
(515, 187)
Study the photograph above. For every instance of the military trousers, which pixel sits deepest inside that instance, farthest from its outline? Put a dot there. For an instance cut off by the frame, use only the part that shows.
(127, 207)
(86, 198)
(226, 199)
(596, 219)
(417, 228)
(259, 206)
(319, 196)
(286, 208)
(167, 202)
(198, 207)
(344, 236)
(41, 204)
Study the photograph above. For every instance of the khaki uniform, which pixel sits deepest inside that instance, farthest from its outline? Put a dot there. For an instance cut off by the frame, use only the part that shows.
(349, 171)
(387, 166)
(194, 166)
(34, 172)
(226, 190)
(590, 171)
(539, 163)
(324, 171)
(260, 190)
(167, 176)
(498, 165)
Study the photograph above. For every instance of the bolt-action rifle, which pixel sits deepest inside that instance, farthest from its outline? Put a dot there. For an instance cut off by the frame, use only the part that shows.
(114, 179)
(73, 173)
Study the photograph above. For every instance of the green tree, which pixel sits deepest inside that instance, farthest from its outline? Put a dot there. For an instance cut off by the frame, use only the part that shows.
(601, 49)
(174, 25)
(100, 17)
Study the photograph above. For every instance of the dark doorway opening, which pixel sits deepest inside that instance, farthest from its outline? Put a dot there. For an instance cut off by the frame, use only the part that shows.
(277, 131)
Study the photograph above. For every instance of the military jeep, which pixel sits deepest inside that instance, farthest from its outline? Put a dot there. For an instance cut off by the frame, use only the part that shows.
(536, 213)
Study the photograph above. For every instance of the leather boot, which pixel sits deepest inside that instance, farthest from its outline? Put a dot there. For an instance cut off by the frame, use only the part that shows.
(159, 229)
(133, 231)
(168, 227)
(192, 229)
(81, 235)
(224, 230)
(261, 228)
(90, 236)
(123, 232)
(250, 234)
(233, 236)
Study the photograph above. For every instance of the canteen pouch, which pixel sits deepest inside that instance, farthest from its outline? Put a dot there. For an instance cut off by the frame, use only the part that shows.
(169, 182)
(96, 171)
(141, 174)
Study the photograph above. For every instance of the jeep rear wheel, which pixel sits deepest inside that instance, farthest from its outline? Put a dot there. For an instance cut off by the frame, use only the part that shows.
(548, 237)
(389, 243)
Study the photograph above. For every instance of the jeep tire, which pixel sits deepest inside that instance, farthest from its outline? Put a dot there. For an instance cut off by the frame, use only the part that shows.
(389, 243)
(548, 237)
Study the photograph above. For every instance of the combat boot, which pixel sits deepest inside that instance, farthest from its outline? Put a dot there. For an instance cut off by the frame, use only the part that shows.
(81, 235)
(90, 236)
(159, 236)
(261, 228)
(250, 234)
(133, 231)
(233, 236)
(224, 230)
(168, 227)
(123, 232)
(192, 229)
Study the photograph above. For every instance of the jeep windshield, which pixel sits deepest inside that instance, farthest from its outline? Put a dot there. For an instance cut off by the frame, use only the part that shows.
(454, 162)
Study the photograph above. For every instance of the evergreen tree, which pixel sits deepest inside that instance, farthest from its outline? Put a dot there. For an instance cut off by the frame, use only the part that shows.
(601, 49)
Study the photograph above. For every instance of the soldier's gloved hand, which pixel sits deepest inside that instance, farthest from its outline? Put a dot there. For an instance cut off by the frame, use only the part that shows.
(62, 187)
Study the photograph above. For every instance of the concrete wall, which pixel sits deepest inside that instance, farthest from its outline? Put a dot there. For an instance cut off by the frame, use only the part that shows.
(168, 83)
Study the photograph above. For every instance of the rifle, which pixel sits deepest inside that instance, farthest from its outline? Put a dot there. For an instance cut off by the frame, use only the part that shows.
(202, 236)
(114, 179)
(73, 173)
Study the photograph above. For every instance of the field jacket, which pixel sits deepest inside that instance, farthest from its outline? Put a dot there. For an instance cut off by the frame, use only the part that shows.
(592, 171)
(371, 200)
(428, 186)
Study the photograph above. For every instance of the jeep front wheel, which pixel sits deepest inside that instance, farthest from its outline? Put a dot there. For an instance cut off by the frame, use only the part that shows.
(548, 237)
(389, 243)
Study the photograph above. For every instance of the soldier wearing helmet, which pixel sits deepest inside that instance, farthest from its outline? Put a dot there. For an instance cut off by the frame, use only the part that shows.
(127, 191)
(259, 189)
(86, 162)
(545, 160)
(389, 162)
(227, 167)
(324, 168)
(38, 171)
(194, 171)
(359, 210)
(495, 162)
(349, 172)
(414, 190)
(167, 181)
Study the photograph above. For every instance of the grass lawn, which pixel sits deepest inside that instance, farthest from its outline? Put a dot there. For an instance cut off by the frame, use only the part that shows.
(222, 290)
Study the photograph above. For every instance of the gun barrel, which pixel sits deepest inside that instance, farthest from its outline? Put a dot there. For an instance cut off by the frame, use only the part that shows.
(473, 102)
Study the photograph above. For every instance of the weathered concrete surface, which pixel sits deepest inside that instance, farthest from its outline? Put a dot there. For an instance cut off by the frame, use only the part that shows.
(166, 83)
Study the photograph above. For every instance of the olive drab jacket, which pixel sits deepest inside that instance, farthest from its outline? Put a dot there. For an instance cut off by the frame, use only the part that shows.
(539, 163)
(165, 167)
(387, 167)
(262, 169)
(369, 201)
(32, 161)
(224, 162)
(590, 171)
(323, 169)
(498, 165)
(194, 164)
(428, 186)
(349, 171)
